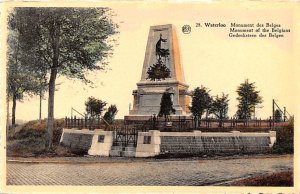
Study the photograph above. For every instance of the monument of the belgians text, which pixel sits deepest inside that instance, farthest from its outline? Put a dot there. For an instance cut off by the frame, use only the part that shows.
(162, 72)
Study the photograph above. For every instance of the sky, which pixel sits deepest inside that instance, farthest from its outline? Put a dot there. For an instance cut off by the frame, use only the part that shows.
(209, 57)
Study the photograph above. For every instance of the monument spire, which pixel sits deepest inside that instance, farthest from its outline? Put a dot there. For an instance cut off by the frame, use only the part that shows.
(163, 43)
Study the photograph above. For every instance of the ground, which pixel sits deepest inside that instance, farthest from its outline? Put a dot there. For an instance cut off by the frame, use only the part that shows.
(154, 172)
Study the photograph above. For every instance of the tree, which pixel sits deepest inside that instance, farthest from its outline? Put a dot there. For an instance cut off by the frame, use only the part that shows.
(201, 101)
(110, 114)
(70, 41)
(94, 107)
(21, 78)
(278, 115)
(219, 107)
(248, 98)
(166, 105)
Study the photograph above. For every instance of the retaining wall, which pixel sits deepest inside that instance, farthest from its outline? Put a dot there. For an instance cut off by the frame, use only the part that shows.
(77, 139)
(197, 142)
(154, 142)
(97, 142)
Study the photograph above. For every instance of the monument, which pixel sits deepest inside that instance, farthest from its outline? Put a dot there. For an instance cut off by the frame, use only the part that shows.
(162, 72)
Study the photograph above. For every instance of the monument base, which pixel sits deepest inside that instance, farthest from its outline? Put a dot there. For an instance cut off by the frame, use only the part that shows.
(147, 117)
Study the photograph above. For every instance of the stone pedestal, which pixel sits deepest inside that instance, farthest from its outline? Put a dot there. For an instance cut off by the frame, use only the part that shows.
(148, 144)
(101, 143)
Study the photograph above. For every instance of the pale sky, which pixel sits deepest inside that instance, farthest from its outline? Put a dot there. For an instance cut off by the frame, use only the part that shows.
(209, 57)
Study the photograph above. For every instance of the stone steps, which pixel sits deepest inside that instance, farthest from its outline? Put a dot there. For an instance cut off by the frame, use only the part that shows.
(121, 151)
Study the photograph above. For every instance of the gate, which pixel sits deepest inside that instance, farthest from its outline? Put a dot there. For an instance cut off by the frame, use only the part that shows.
(125, 136)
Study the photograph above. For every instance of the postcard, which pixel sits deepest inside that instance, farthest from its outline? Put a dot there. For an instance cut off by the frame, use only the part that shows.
(136, 96)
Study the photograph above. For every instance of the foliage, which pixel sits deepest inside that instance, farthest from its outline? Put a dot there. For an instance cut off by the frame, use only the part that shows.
(201, 101)
(30, 141)
(166, 105)
(31, 145)
(72, 40)
(278, 115)
(39, 127)
(67, 41)
(21, 78)
(110, 114)
(219, 106)
(248, 98)
(284, 140)
(94, 107)
(158, 71)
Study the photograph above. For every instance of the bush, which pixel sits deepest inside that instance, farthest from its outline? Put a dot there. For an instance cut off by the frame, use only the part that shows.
(36, 128)
(284, 140)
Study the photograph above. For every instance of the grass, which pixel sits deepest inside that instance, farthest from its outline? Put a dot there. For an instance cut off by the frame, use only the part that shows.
(29, 139)
(283, 179)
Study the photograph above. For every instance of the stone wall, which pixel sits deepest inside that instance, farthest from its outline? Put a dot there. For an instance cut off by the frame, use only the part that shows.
(77, 139)
(154, 142)
(97, 142)
(232, 142)
(197, 142)
(186, 144)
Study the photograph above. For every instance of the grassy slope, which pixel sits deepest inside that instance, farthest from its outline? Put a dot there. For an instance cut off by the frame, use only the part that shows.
(29, 139)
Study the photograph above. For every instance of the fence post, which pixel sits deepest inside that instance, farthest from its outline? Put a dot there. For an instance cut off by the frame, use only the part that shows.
(78, 123)
(126, 137)
(71, 122)
(90, 123)
(81, 124)
(260, 122)
(66, 124)
(179, 123)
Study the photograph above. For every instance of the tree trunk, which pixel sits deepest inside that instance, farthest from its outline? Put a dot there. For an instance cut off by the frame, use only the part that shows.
(40, 114)
(13, 118)
(50, 121)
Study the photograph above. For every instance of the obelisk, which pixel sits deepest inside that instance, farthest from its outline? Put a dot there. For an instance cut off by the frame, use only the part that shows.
(162, 72)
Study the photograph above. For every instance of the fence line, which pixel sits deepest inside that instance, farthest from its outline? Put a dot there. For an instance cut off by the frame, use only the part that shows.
(178, 124)
(83, 123)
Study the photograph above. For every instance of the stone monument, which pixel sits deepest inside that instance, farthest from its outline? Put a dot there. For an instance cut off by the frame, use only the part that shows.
(162, 72)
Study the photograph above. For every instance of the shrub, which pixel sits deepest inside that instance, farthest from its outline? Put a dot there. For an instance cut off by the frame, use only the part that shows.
(32, 145)
(284, 140)
(36, 128)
